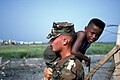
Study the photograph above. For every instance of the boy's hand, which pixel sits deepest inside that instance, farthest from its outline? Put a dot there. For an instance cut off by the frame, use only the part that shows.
(87, 62)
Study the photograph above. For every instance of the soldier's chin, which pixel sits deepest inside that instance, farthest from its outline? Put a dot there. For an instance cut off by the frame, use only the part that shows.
(54, 50)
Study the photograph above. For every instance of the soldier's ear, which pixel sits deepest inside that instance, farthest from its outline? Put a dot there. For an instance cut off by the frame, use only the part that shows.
(64, 42)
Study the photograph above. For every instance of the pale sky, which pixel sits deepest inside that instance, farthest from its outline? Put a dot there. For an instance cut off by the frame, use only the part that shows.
(31, 20)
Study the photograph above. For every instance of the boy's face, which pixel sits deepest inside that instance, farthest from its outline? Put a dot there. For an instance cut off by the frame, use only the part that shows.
(92, 33)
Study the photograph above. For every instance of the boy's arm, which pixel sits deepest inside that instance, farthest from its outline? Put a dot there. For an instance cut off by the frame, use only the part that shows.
(78, 42)
(81, 57)
(76, 46)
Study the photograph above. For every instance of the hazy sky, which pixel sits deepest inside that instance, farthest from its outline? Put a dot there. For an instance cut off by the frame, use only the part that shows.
(31, 20)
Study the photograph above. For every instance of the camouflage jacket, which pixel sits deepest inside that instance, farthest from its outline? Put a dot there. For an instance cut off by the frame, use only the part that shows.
(68, 68)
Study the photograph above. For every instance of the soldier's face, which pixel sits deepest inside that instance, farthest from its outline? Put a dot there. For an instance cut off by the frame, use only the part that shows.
(57, 44)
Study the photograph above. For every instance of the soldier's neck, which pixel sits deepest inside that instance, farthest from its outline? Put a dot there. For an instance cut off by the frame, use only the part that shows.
(65, 52)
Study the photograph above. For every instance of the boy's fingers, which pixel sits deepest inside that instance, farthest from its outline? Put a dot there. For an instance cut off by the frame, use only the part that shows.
(87, 63)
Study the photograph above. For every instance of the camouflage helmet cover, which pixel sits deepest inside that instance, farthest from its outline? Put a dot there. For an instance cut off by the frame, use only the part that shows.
(61, 28)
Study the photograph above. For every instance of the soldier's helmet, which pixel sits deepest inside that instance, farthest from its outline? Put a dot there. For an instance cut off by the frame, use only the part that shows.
(61, 28)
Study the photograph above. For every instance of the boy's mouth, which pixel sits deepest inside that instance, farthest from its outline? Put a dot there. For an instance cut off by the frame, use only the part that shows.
(91, 40)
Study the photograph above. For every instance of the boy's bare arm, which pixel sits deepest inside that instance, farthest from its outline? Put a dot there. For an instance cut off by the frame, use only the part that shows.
(78, 42)
(81, 57)
(76, 46)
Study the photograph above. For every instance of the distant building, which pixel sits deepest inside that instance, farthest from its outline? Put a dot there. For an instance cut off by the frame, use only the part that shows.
(13, 42)
(38, 42)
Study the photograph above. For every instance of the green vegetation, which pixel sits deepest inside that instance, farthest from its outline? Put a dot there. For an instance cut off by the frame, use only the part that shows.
(31, 51)
(15, 51)
(100, 48)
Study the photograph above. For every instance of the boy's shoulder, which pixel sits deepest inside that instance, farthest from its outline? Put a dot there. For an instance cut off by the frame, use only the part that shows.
(80, 33)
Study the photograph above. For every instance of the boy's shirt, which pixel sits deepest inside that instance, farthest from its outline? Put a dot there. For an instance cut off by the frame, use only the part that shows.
(84, 46)
(81, 42)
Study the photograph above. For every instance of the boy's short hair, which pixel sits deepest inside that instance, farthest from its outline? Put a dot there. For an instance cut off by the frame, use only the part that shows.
(97, 22)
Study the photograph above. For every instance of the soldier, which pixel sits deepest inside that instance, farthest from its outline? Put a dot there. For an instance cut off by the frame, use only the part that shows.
(66, 66)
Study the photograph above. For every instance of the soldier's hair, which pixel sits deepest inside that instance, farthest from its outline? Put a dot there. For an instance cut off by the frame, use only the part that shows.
(99, 23)
(73, 38)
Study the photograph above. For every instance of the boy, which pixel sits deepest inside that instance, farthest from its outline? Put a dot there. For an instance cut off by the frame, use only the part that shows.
(85, 38)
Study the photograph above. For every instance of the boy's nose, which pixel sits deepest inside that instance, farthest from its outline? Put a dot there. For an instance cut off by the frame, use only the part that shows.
(94, 36)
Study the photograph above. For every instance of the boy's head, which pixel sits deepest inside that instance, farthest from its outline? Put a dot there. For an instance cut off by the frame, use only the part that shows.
(94, 29)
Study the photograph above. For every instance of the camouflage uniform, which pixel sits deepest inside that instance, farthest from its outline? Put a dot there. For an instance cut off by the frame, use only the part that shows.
(69, 68)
